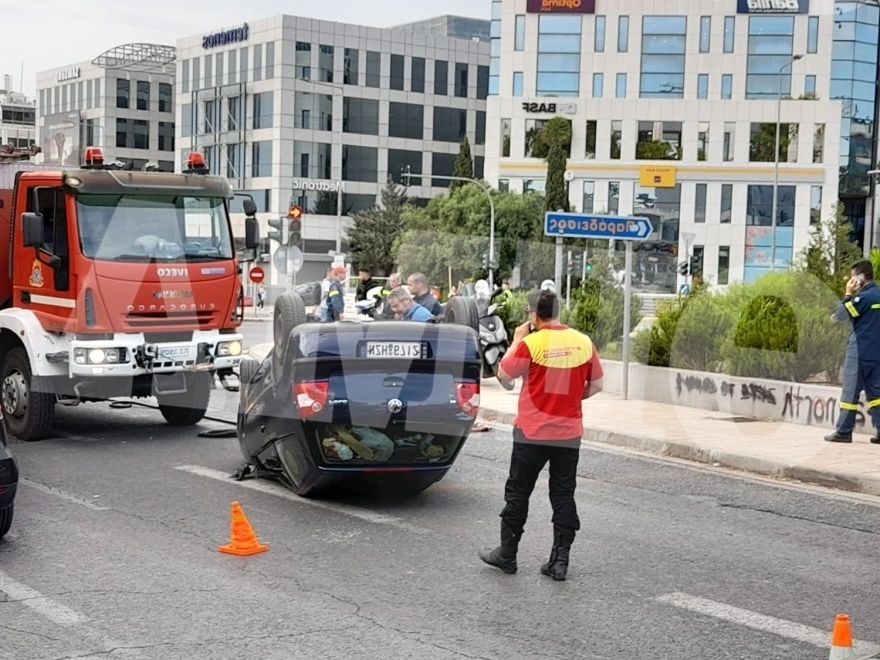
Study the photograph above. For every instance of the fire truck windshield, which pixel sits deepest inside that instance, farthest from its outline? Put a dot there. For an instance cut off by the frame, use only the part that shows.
(153, 228)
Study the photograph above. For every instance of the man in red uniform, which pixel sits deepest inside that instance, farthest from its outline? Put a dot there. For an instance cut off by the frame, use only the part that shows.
(560, 368)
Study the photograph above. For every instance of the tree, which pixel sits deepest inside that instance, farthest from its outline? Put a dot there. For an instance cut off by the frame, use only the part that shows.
(556, 137)
(831, 252)
(326, 204)
(464, 165)
(374, 232)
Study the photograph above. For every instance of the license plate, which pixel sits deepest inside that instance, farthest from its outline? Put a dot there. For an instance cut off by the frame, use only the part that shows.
(398, 349)
(175, 352)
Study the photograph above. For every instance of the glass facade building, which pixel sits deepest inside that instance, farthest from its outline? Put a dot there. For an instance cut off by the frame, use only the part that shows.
(674, 116)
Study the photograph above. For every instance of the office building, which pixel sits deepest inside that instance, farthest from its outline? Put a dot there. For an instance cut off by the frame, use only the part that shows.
(18, 117)
(286, 106)
(450, 27)
(674, 116)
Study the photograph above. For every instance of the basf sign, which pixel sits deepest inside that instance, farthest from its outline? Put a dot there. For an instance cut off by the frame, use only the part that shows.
(561, 6)
(773, 6)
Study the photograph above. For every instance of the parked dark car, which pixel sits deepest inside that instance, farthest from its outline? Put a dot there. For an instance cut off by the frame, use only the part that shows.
(8, 482)
(379, 402)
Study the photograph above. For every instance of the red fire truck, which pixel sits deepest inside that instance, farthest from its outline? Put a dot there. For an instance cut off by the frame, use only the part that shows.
(116, 283)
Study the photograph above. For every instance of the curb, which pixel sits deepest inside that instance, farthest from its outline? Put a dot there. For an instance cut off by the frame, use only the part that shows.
(695, 453)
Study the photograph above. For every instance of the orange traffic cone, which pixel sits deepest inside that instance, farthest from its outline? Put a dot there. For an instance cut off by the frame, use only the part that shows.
(243, 541)
(841, 639)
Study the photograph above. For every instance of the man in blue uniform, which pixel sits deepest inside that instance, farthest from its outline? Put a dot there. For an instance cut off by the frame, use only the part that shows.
(861, 365)
(336, 296)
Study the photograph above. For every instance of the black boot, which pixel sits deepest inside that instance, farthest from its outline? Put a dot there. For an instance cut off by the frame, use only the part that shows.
(557, 567)
(504, 556)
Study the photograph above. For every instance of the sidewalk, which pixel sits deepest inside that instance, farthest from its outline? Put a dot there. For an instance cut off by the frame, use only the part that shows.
(791, 451)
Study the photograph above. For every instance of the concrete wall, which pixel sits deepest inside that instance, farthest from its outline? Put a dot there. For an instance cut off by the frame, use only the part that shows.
(811, 405)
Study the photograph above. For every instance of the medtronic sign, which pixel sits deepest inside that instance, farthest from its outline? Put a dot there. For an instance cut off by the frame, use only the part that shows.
(225, 37)
(773, 6)
(561, 6)
(318, 185)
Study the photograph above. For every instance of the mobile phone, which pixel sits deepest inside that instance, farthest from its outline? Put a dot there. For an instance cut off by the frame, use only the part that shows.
(531, 328)
(860, 279)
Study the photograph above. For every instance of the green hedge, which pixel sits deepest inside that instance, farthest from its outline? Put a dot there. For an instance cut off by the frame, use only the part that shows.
(778, 328)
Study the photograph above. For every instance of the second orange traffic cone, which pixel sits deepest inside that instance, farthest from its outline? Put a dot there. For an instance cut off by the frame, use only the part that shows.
(243, 541)
(841, 639)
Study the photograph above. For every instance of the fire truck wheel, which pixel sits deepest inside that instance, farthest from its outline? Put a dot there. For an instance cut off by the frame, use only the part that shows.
(29, 414)
(188, 409)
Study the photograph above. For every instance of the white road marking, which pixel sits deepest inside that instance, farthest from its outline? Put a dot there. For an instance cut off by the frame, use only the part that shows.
(43, 605)
(277, 490)
(51, 490)
(768, 624)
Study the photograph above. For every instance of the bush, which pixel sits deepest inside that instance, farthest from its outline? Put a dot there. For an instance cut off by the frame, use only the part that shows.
(597, 311)
(515, 311)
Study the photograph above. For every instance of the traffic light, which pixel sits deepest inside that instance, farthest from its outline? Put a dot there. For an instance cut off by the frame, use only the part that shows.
(684, 268)
(696, 265)
(294, 231)
(576, 264)
(278, 231)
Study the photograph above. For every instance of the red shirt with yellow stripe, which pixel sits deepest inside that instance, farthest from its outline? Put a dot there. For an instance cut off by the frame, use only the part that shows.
(556, 364)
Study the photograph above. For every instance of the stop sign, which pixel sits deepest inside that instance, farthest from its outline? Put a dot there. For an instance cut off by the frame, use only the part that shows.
(257, 274)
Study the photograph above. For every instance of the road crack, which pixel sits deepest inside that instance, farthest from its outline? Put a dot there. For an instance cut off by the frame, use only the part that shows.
(30, 632)
(746, 507)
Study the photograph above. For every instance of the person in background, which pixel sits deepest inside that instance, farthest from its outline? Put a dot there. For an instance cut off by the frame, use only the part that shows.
(335, 295)
(392, 283)
(366, 283)
(261, 297)
(418, 287)
(320, 309)
(560, 368)
(405, 308)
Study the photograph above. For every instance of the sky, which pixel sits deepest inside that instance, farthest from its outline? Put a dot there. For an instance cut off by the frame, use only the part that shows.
(47, 34)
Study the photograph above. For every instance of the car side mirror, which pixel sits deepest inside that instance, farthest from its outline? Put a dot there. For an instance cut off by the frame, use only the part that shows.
(250, 207)
(32, 229)
(251, 230)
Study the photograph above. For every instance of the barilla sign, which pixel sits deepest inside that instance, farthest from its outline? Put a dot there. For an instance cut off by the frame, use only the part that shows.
(773, 6)
(561, 6)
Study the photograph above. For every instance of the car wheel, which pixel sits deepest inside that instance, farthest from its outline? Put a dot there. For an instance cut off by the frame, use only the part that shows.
(247, 368)
(5, 520)
(463, 311)
(290, 312)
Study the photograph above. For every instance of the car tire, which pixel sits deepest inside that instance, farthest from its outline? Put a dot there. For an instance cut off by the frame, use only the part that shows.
(188, 409)
(463, 311)
(35, 421)
(247, 369)
(290, 312)
(5, 520)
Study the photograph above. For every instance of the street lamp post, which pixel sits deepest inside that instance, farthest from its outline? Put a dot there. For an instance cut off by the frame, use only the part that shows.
(339, 187)
(776, 161)
(486, 189)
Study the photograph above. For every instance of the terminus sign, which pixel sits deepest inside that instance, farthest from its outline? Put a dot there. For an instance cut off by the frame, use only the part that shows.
(561, 6)
(226, 37)
(773, 6)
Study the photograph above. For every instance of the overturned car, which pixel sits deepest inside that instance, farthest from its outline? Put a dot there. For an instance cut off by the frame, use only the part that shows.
(387, 403)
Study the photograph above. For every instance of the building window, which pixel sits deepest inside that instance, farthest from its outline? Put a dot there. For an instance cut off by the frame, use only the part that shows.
(219, 59)
(232, 72)
(818, 143)
(480, 131)
(519, 33)
(398, 63)
(663, 53)
(196, 74)
(442, 165)
(326, 62)
(810, 86)
(143, 95)
(723, 264)
(209, 76)
(264, 108)
(350, 73)
(261, 159)
(360, 116)
(417, 75)
(243, 63)
(166, 98)
(270, 60)
(123, 93)
(729, 33)
(92, 132)
(703, 86)
(132, 134)
(589, 194)
(313, 111)
(705, 33)
(234, 105)
(590, 150)
(399, 160)
(517, 83)
(702, 140)
(186, 120)
(461, 80)
(813, 35)
(258, 63)
(313, 160)
(360, 163)
(599, 36)
(815, 205)
(616, 137)
(623, 34)
(763, 137)
(613, 197)
(505, 138)
(303, 60)
(533, 131)
(441, 77)
(659, 140)
(482, 82)
(620, 86)
(450, 124)
(726, 202)
(700, 203)
(374, 69)
(184, 77)
(598, 84)
(726, 86)
(559, 39)
(503, 185)
(211, 117)
(759, 209)
(537, 186)
(494, 49)
(728, 149)
(166, 136)
(771, 41)
(406, 120)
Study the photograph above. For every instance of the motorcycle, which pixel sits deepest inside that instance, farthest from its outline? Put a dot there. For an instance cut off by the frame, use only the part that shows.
(494, 340)
(373, 307)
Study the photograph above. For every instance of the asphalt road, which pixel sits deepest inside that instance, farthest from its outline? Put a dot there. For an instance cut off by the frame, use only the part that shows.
(113, 554)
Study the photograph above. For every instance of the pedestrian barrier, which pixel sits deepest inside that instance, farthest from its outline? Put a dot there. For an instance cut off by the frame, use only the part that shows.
(841, 639)
(243, 539)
